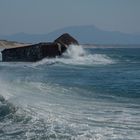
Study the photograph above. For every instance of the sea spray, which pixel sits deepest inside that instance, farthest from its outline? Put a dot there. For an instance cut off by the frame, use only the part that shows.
(6, 108)
(75, 51)
(77, 55)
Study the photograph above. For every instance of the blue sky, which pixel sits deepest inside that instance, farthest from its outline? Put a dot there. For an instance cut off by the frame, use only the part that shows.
(43, 16)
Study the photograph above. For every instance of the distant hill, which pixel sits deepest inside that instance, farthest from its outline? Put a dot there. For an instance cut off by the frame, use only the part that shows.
(84, 34)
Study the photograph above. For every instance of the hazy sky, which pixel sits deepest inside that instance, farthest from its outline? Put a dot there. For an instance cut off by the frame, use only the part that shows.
(43, 16)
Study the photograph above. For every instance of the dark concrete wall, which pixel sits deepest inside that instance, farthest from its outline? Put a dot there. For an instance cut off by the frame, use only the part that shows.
(31, 53)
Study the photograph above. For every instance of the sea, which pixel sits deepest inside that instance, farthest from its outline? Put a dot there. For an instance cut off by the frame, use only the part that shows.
(90, 93)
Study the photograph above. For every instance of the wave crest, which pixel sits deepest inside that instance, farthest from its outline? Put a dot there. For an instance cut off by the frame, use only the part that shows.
(76, 55)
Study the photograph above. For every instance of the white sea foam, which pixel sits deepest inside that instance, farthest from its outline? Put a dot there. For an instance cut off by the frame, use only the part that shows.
(66, 114)
(76, 55)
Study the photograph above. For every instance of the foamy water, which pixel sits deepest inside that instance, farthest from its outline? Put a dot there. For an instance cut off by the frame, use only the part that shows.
(76, 55)
(85, 95)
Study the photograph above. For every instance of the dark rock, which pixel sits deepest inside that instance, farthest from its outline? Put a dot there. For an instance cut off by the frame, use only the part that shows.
(39, 51)
(66, 39)
(31, 53)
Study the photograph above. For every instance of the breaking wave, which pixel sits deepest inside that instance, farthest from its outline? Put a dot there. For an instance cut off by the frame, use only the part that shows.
(43, 113)
(76, 55)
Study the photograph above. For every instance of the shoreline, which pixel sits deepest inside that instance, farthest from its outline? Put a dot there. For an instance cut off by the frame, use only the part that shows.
(4, 44)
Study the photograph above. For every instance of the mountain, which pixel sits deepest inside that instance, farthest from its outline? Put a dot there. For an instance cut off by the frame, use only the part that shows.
(84, 34)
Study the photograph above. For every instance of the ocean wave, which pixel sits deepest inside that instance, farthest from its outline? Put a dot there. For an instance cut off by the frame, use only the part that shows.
(70, 102)
(26, 123)
(52, 111)
(5, 108)
(77, 55)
